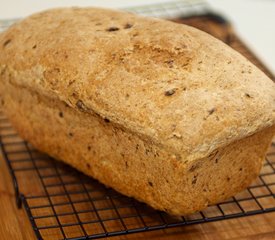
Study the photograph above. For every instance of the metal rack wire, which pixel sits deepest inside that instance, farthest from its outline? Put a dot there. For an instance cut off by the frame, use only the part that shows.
(173, 9)
(65, 204)
(62, 203)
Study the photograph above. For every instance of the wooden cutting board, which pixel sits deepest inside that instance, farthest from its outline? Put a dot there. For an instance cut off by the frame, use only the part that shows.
(14, 223)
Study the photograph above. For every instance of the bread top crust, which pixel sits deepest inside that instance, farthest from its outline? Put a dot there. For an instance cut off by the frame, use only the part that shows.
(170, 83)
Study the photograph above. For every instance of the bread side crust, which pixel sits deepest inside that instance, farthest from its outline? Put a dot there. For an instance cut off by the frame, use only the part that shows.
(126, 162)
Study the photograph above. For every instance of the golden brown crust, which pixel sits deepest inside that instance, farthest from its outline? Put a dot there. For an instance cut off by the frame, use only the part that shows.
(129, 164)
(159, 111)
(171, 83)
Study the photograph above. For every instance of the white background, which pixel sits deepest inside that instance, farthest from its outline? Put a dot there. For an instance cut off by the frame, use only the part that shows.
(254, 20)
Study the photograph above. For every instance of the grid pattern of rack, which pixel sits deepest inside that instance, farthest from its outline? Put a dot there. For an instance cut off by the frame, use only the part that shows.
(65, 204)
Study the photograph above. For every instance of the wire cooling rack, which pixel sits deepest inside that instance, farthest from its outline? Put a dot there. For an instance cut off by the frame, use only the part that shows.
(62, 203)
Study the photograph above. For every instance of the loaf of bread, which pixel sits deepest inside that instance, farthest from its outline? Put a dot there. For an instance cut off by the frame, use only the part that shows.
(159, 111)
